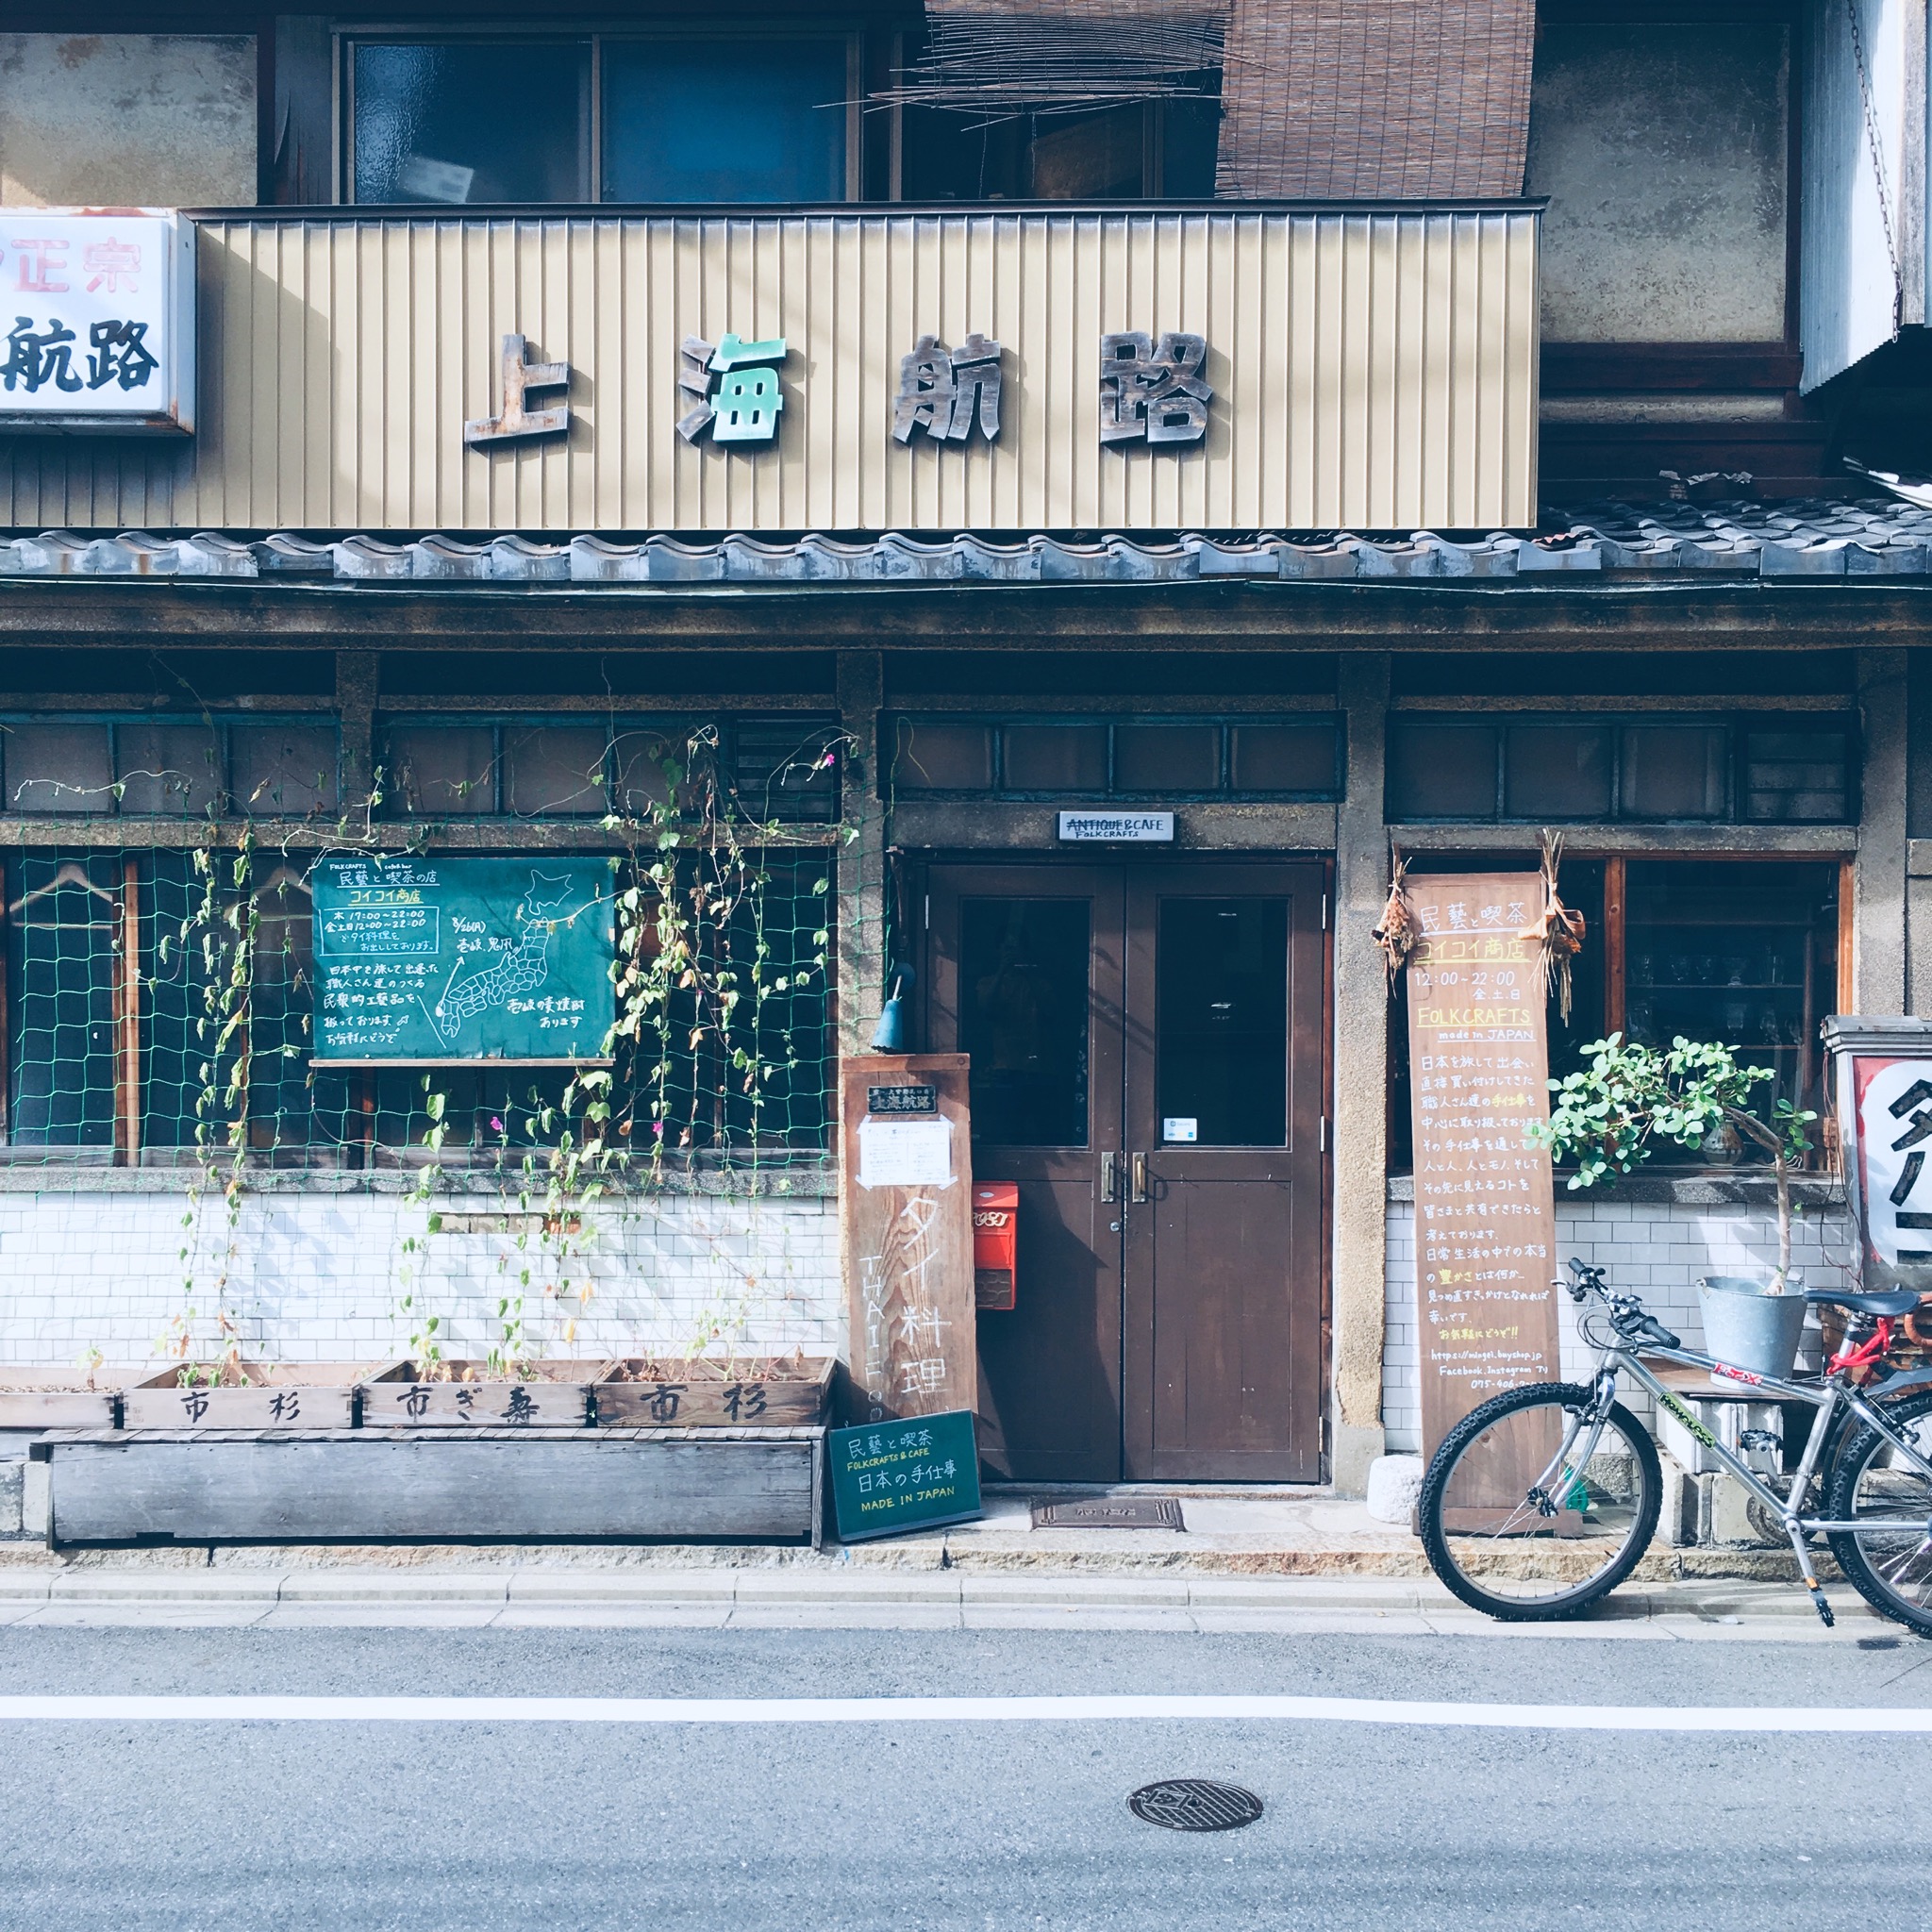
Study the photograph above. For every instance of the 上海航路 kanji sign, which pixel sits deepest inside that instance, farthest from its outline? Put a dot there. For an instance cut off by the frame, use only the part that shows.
(99, 319)
(733, 389)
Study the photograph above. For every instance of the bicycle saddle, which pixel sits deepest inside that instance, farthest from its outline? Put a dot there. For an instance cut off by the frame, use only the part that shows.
(1896, 1301)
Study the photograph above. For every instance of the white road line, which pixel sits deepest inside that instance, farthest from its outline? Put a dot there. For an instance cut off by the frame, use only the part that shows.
(894, 1710)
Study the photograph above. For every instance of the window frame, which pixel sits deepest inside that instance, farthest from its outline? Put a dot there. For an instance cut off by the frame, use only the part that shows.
(1739, 724)
(615, 728)
(590, 130)
(221, 724)
(1610, 934)
(998, 723)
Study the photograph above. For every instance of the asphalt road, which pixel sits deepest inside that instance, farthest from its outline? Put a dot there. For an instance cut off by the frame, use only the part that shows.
(220, 1825)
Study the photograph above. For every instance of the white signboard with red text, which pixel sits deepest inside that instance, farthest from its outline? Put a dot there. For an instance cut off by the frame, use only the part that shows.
(1883, 1095)
(97, 307)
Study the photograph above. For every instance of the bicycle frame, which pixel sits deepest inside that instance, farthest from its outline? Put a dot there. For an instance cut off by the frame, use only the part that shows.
(1831, 1397)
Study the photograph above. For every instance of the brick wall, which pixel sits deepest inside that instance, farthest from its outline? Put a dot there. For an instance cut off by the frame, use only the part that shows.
(325, 1276)
(1655, 1240)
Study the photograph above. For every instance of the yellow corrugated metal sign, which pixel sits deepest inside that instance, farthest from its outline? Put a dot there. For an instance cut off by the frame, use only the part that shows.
(1368, 370)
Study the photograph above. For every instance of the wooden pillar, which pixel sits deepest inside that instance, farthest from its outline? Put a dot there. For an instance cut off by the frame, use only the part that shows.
(128, 1022)
(1615, 1001)
(861, 859)
(1877, 979)
(1359, 1159)
(358, 687)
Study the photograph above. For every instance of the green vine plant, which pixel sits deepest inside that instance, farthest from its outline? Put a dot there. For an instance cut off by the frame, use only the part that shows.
(682, 1084)
(219, 939)
(697, 982)
(219, 931)
(1610, 1116)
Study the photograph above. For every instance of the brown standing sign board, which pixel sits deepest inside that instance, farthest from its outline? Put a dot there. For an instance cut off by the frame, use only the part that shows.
(1485, 1216)
(906, 1226)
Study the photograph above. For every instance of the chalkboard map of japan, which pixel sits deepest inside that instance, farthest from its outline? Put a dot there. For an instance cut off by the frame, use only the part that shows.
(438, 959)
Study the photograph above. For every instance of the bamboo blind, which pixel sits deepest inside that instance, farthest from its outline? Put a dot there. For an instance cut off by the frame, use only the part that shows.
(1009, 56)
(1376, 99)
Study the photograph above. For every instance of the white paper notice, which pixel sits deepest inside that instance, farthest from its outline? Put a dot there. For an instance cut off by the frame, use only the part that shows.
(904, 1154)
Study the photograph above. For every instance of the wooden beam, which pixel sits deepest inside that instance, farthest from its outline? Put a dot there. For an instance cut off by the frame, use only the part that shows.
(1601, 368)
(1644, 611)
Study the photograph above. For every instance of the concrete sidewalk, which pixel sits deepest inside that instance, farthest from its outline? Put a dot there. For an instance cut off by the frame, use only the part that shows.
(279, 1589)
(1229, 1533)
(1247, 1561)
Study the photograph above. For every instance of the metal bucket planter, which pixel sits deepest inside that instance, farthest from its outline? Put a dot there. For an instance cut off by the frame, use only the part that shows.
(247, 1395)
(1747, 1326)
(715, 1392)
(470, 1394)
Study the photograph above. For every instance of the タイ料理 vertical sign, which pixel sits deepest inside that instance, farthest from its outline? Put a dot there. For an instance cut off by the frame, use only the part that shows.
(1485, 1218)
(906, 1221)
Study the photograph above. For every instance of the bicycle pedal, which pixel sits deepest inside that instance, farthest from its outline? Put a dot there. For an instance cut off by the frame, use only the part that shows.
(1823, 1608)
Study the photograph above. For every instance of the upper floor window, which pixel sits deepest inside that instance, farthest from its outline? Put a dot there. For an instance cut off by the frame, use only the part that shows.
(749, 117)
(169, 767)
(1293, 760)
(1755, 768)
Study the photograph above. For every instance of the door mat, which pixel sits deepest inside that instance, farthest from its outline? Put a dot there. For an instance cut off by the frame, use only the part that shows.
(1110, 1512)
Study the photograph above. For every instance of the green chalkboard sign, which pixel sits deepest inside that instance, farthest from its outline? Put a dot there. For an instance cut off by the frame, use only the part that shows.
(915, 1474)
(460, 958)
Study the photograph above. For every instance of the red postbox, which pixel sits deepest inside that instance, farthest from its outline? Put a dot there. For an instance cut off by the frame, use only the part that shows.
(995, 1244)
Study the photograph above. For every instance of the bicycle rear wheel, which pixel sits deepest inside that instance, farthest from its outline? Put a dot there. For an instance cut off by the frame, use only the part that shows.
(1891, 1568)
(1536, 1506)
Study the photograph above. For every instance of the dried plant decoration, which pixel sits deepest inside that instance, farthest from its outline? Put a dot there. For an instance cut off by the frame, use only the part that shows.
(1397, 933)
(1557, 930)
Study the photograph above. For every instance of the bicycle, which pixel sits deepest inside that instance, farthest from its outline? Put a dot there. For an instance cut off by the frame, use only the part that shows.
(1542, 1499)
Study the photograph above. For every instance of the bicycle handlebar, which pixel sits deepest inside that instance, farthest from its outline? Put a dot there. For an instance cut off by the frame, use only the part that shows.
(1628, 1316)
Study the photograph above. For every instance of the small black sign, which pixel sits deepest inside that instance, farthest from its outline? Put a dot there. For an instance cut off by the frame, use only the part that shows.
(902, 1100)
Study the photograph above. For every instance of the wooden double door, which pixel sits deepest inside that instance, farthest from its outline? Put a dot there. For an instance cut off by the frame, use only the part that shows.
(1146, 1046)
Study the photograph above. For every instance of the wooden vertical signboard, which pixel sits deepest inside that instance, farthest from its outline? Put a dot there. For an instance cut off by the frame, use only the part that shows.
(1485, 1216)
(906, 1220)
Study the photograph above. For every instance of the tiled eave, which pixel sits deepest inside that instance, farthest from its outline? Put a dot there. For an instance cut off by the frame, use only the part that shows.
(1809, 539)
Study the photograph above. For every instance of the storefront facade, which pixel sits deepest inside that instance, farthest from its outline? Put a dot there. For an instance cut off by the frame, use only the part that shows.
(1059, 609)
(1185, 1051)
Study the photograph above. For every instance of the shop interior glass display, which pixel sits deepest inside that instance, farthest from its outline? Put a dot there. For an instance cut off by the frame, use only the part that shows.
(1741, 952)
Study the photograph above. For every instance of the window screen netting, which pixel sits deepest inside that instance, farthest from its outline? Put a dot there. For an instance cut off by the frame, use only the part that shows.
(159, 1010)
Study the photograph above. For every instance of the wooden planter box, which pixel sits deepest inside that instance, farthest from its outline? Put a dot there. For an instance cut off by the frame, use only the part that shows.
(540, 1394)
(708, 1393)
(493, 1484)
(269, 1395)
(57, 1399)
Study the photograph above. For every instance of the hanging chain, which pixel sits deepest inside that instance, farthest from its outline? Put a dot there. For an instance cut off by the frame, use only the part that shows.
(1898, 280)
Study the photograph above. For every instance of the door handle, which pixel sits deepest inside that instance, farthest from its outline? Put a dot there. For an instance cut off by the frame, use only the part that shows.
(1108, 1188)
(1139, 1179)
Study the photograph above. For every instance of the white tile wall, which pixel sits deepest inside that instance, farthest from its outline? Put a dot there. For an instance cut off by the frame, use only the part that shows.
(325, 1277)
(1650, 1248)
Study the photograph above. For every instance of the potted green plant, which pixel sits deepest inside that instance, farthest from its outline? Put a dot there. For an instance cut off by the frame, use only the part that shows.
(1610, 1117)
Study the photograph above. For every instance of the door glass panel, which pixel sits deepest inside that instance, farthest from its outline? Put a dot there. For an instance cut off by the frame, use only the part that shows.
(1023, 1017)
(1221, 1023)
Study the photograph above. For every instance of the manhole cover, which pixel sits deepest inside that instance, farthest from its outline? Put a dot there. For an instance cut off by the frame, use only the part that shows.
(1121, 1512)
(1195, 1803)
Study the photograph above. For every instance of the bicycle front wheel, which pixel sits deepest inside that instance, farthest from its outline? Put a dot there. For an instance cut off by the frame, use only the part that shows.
(1891, 1564)
(1536, 1506)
